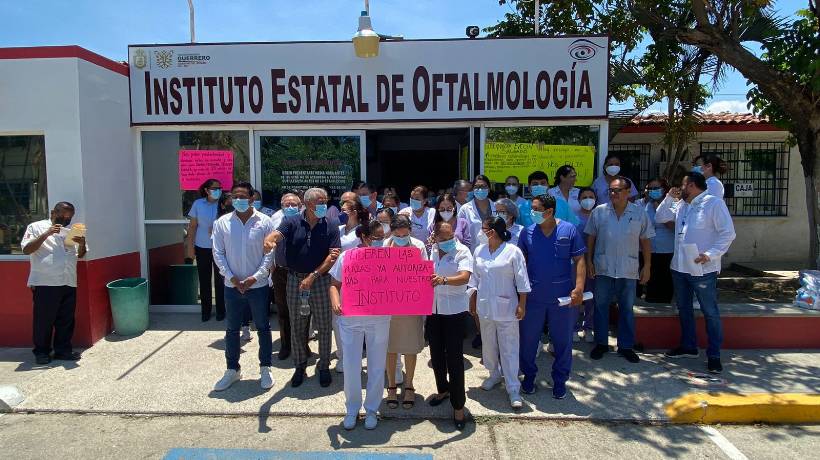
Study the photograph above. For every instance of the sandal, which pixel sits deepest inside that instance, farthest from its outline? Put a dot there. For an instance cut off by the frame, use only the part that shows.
(405, 404)
(392, 403)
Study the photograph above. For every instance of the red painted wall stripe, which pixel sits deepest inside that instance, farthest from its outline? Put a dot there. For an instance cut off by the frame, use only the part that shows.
(70, 51)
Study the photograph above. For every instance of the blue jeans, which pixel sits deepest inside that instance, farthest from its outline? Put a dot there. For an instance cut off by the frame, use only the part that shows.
(624, 291)
(235, 306)
(705, 287)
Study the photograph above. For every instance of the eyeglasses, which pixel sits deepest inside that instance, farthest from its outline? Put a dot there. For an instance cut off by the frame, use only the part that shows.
(481, 187)
(447, 210)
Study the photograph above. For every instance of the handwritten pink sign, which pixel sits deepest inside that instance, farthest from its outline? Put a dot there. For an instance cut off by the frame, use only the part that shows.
(197, 166)
(386, 281)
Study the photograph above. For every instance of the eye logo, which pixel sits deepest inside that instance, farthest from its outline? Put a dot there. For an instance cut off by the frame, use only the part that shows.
(583, 49)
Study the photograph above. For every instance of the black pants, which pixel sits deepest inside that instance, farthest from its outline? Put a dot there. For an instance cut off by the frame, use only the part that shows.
(659, 289)
(446, 334)
(54, 308)
(205, 267)
(280, 295)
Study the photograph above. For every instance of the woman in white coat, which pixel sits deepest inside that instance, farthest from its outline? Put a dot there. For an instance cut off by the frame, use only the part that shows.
(500, 285)
(353, 331)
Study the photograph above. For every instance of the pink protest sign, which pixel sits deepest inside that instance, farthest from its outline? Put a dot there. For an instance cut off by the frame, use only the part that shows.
(386, 281)
(197, 166)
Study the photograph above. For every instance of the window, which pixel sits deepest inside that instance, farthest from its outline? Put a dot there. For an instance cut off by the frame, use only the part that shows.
(760, 173)
(634, 162)
(23, 197)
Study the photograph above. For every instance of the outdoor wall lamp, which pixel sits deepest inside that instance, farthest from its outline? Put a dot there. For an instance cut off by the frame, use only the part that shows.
(366, 40)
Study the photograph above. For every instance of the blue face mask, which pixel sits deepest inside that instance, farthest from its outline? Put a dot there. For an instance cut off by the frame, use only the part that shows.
(415, 205)
(289, 211)
(511, 189)
(376, 243)
(366, 201)
(215, 194)
(321, 210)
(469, 196)
(257, 205)
(656, 194)
(697, 169)
(447, 246)
(241, 204)
(537, 217)
(343, 218)
(481, 193)
(401, 240)
(538, 190)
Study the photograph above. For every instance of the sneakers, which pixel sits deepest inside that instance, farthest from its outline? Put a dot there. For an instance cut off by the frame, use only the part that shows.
(490, 383)
(559, 390)
(266, 378)
(589, 336)
(629, 354)
(598, 351)
(515, 401)
(325, 379)
(714, 366)
(246, 334)
(370, 421)
(349, 421)
(681, 352)
(339, 366)
(231, 376)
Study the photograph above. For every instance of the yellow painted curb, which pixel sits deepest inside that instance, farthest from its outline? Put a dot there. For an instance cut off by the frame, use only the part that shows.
(745, 408)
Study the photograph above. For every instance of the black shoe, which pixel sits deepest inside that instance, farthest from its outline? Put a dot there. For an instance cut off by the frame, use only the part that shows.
(71, 356)
(436, 401)
(284, 354)
(681, 352)
(42, 359)
(298, 377)
(460, 424)
(714, 366)
(598, 351)
(629, 354)
(477, 341)
(325, 378)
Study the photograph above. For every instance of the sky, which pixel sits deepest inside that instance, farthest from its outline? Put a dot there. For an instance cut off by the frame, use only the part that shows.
(108, 27)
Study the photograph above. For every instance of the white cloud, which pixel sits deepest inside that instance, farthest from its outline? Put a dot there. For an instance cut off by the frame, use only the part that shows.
(735, 106)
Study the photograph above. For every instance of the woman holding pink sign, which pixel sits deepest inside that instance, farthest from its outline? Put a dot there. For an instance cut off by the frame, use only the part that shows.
(355, 330)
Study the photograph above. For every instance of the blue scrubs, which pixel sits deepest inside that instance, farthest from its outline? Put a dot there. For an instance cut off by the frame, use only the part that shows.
(552, 275)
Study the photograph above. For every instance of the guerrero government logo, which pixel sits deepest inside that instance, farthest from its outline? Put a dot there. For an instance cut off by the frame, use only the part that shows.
(164, 58)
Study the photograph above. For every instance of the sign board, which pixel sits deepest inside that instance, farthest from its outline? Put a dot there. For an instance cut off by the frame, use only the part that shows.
(504, 159)
(386, 281)
(410, 80)
(197, 166)
(744, 190)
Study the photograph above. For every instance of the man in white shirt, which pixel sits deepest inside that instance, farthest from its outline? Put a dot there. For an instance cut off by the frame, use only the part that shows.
(703, 233)
(238, 245)
(53, 282)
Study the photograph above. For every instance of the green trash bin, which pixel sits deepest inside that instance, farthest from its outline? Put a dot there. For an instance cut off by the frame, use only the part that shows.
(129, 305)
(184, 287)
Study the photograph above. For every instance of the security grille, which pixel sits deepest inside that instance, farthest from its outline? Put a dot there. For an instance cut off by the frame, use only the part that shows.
(634, 162)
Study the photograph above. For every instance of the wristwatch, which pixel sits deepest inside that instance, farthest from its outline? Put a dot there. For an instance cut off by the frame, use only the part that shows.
(315, 274)
(445, 280)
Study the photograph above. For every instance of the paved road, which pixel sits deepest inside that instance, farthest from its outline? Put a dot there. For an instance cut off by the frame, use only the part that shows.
(70, 436)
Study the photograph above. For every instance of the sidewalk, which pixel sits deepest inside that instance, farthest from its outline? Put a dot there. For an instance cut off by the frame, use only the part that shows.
(171, 369)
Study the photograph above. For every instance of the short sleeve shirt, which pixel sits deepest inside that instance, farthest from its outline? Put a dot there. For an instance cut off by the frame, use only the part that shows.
(205, 214)
(549, 261)
(306, 248)
(451, 300)
(54, 263)
(617, 240)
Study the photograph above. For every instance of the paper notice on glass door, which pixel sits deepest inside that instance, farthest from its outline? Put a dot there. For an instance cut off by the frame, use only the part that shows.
(690, 253)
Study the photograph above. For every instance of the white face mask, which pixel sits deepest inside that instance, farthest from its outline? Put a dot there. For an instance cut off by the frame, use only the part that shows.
(588, 203)
(446, 215)
(386, 228)
(613, 170)
(482, 238)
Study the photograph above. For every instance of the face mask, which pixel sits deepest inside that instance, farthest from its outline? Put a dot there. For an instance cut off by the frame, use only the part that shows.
(481, 193)
(386, 228)
(415, 205)
(343, 218)
(401, 240)
(511, 189)
(289, 211)
(376, 243)
(613, 170)
(215, 194)
(395, 210)
(446, 215)
(469, 196)
(483, 238)
(697, 169)
(321, 210)
(588, 203)
(447, 246)
(241, 204)
(656, 194)
(537, 217)
(64, 221)
(502, 215)
(365, 199)
(257, 205)
(538, 190)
